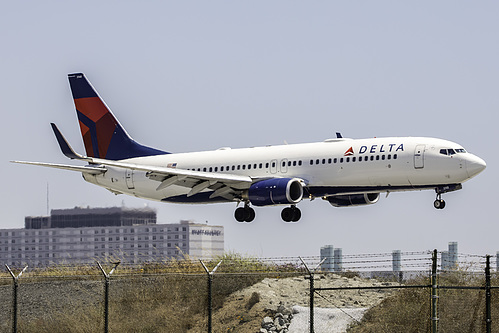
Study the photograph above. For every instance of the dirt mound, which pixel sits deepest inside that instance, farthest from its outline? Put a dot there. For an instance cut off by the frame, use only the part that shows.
(244, 310)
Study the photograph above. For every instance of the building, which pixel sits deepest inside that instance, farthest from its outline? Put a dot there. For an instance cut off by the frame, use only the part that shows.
(84, 235)
(92, 217)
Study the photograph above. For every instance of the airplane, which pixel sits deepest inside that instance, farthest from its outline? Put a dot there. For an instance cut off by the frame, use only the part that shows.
(344, 172)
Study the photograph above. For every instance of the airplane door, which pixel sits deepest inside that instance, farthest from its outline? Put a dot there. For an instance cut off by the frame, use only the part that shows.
(284, 165)
(129, 179)
(273, 166)
(419, 157)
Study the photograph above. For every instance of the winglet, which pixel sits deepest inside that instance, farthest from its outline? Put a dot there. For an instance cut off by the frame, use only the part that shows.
(64, 145)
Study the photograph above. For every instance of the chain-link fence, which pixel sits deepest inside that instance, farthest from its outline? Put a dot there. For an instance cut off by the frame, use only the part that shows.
(193, 296)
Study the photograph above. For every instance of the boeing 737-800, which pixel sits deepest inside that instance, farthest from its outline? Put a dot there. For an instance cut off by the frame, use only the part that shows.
(345, 172)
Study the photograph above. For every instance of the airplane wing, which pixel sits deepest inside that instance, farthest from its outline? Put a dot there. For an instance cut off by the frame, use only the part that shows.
(222, 184)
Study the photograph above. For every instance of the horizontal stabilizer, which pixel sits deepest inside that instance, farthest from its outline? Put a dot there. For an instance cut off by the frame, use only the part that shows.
(85, 169)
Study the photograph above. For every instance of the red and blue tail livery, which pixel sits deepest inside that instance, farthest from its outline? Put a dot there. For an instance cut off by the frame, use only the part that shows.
(343, 172)
(103, 136)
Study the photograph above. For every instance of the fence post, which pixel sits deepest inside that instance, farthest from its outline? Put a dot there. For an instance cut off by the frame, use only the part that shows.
(488, 315)
(14, 298)
(312, 290)
(106, 294)
(434, 294)
(210, 291)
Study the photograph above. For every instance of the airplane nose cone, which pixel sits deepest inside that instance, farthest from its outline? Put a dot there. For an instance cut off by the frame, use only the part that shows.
(474, 165)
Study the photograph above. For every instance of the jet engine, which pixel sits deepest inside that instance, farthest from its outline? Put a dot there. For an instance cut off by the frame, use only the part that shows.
(353, 199)
(277, 191)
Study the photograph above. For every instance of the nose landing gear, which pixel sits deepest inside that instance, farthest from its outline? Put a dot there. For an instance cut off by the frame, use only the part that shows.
(439, 203)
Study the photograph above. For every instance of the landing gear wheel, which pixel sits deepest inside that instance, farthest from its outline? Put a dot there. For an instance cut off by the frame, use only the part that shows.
(439, 204)
(240, 214)
(244, 214)
(296, 215)
(291, 214)
(251, 214)
(287, 214)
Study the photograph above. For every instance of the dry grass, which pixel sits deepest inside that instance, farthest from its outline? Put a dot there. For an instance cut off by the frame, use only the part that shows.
(156, 297)
(408, 310)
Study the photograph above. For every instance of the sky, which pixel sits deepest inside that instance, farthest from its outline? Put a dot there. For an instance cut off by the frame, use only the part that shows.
(191, 76)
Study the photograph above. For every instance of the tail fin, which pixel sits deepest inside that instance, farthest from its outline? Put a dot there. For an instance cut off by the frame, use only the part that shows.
(103, 135)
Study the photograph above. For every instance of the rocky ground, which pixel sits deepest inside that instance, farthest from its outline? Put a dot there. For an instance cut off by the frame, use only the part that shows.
(262, 306)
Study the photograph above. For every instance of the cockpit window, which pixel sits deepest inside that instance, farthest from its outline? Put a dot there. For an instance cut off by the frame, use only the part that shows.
(451, 151)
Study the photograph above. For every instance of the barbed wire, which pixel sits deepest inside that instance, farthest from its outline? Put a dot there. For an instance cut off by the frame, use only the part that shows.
(420, 260)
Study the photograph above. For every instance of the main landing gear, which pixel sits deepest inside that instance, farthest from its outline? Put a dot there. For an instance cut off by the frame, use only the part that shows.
(291, 214)
(244, 214)
(247, 214)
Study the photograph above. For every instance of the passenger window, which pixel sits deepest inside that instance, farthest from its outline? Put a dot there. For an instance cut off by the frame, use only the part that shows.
(289, 163)
(341, 160)
(273, 164)
(372, 158)
(389, 156)
(366, 158)
(294, 163)
(233, 167)
(329, 161)
(394, 156)
(317, 161)
(311, 162)
(323, 161)
(238, 167)
(204, 169)
(348, 159)
(377, 157)
(353, 159)
(211, 169)
(383, 157)
(299, 163)
(254, 166)
(267, 165)
(335, 160)
(249, 166)
(216, 169)
(261, 165)
(244, 166)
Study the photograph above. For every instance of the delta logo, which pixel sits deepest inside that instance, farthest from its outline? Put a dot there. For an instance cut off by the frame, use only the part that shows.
(374, 149)
(349, 152)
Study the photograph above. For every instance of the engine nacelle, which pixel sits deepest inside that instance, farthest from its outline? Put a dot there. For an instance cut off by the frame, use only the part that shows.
(353, 199)
(277, 191)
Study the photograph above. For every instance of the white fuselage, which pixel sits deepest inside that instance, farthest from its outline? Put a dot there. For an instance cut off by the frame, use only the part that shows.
(337, 166)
